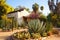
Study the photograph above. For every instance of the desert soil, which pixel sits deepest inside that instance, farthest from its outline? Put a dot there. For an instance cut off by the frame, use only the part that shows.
(4, 35)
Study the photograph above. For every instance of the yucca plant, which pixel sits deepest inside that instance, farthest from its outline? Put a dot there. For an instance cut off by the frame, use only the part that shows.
(36, 26)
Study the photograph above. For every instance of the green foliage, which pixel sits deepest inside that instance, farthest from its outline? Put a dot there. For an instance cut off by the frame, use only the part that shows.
(49, 26)
(44, 34)
(35, 26)
(0, 23)
(22, 35)
(43, 18)
(35, 35)
(5, 25)
(2, 1)
(35, 7)
(26, 35)
(54, 19)
(41, 7)
(27, 9)
(56, 14)
(58, 23)
(14, 23)
(4, 8)
(49, 17)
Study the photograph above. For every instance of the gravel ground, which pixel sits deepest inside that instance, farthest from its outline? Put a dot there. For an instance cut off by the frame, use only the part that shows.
(4, 35)
(53, 37)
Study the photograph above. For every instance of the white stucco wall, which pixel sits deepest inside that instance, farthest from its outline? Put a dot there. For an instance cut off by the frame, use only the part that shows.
(15, 15)
(19, 15)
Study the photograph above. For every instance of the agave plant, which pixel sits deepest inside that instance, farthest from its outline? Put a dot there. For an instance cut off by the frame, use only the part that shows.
(36, 26)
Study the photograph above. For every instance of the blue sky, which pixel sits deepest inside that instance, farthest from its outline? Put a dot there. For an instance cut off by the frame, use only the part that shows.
(29, 3)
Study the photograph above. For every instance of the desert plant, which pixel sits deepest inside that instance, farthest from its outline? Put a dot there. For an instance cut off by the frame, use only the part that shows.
(44, 34)
(35, 35)
(36, 26)
(49, 26)
(22, 35)
(0, 23)
(5, 25)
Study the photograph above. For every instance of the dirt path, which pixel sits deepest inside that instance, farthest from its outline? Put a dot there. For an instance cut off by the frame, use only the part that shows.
(4, 35)
(53, 37)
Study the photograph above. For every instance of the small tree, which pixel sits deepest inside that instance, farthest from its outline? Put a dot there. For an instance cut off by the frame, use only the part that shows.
(41, 8)
(35, 7)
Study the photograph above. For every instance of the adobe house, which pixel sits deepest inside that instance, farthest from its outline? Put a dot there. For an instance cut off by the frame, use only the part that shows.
(23, 15)
(18, 15)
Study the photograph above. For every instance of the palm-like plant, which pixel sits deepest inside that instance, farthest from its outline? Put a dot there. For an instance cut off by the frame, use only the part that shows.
(35, 7)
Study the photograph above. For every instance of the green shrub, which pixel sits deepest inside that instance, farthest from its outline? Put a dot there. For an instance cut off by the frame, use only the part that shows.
(58, 23)
(49, 26)
(0, 23)
(36, 26)
(6, 25)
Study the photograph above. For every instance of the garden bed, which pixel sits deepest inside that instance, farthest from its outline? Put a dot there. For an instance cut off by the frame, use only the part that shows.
(37, 30)
(16, 36)
(52, 37)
